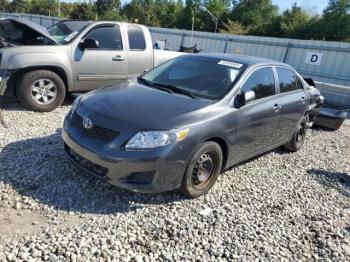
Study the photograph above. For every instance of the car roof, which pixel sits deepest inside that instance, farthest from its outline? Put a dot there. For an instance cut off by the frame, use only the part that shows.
(242, 59)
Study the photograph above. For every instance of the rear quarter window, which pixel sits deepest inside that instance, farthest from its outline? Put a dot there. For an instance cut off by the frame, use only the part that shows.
(136, 38)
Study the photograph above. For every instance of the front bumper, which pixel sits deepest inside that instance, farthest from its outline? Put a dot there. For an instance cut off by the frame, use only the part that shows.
(140, 171)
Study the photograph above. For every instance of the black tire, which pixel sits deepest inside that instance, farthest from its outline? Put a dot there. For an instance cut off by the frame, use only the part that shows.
(209, 156)
(298, 138)
(33, 79)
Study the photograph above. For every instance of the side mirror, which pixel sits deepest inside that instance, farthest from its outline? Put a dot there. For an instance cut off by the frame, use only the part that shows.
(89, 43)
(244, 98)
(248, 97)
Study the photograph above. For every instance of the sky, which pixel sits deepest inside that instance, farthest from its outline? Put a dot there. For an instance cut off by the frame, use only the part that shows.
(313, 6)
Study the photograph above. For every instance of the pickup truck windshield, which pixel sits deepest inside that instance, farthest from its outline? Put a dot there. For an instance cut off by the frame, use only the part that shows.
(64, 32)
(201, 77)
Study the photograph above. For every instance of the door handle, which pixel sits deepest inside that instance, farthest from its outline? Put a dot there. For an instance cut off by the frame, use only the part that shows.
(276, 108)
(118, 58)
(303, 100)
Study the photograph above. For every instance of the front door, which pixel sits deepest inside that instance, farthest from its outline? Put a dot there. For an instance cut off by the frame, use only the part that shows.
(102, 66)
(257, 122)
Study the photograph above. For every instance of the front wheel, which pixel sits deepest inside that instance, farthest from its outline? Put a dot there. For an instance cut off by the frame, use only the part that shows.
(203, 170)
(41, 90)
(298, 138)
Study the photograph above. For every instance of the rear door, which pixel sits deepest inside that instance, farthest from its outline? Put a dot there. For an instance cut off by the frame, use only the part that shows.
(292, 99)
(105, 65)
(257, 121)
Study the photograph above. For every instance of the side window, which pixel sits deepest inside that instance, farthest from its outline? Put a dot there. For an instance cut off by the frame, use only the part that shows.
(261, 82)
(288, 80)
(109, 37)
(136, 38)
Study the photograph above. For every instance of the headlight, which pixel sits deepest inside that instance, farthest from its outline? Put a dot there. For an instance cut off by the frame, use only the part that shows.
(152, 139)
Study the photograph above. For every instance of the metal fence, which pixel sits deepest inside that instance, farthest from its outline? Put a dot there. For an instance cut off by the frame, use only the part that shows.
(326, 62)
(45, 21)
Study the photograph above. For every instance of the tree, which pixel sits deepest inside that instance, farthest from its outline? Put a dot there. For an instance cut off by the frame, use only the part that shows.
(335, 23)
(167, 12)
(233, 27)
(294, 22)
(219, 8)
(44, 7)
(192, 10)
(4, 4)
(83, 11)
(149, 13)
(258, 15)
(66, 9)
(107, 7)
(134, 11)
(142, 11)
(19, 6)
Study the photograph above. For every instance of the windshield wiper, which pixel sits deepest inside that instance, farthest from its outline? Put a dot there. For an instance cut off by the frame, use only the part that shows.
(176, 89)
(168, 88)
(150, 83)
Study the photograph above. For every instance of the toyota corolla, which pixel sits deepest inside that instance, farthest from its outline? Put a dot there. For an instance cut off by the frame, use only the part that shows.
(182, 123)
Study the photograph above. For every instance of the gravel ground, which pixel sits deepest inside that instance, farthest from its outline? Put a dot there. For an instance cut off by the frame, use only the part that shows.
(277, 207)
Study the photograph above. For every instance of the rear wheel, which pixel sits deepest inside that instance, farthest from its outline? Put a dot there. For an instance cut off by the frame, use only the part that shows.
(203, 170)
(41, 90)
(298, 138)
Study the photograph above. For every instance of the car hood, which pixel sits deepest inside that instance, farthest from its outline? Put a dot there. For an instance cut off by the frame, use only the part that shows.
(145, 107)
(17, 30)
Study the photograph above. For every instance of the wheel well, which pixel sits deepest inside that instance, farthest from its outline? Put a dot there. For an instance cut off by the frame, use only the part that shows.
(16, 76)
(224, 148)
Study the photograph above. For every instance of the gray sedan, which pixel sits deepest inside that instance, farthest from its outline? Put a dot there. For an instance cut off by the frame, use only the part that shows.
(182, 123)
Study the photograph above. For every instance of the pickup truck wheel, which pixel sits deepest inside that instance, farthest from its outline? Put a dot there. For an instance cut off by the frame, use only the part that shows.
(41, 90)
(203, 170)
(298, 138)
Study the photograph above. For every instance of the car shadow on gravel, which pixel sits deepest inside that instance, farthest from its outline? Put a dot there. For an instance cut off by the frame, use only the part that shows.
(322, 129)
(334, 180)
(39, 168)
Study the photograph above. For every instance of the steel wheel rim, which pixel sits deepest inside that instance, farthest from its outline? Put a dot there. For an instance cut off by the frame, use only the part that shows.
(203, 170)
(43, 91)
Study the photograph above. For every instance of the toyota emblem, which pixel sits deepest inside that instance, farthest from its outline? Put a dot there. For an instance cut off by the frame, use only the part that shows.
(87, 123)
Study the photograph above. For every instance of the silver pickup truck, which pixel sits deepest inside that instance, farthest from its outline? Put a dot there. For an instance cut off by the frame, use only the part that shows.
(40, 66)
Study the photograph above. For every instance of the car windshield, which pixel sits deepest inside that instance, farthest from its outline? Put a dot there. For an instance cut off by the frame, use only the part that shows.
(196, 76)
(64, 32)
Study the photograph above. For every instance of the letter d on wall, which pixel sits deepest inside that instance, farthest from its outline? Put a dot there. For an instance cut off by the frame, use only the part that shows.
(313, 58)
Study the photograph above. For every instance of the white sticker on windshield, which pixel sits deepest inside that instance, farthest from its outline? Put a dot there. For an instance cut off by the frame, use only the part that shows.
(71, 36)
(230, 64)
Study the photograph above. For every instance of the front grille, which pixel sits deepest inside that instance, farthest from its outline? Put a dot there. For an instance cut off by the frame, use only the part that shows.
(99, 133)
(96, 169)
